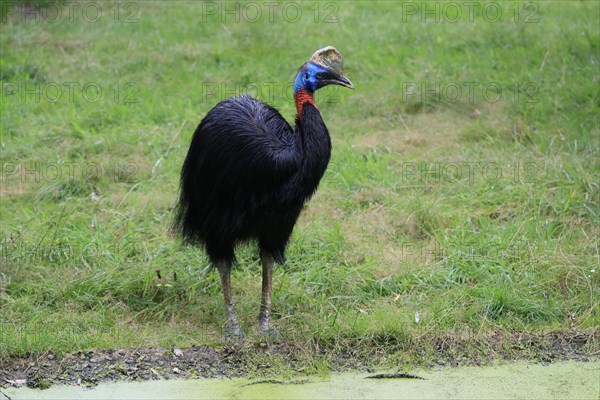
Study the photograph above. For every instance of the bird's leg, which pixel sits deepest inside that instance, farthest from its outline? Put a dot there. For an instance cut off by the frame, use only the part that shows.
(264, 315)
(232, 328)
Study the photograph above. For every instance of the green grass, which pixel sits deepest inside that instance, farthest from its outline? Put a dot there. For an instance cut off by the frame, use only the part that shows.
(412, 215)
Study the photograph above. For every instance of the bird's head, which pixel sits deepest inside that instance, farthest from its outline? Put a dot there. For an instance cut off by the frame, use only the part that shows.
(324, 68)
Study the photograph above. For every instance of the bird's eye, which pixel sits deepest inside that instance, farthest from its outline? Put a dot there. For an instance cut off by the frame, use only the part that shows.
(306, 76)
(319, 75)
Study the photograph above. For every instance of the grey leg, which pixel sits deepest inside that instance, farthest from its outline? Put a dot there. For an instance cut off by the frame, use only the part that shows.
(232, 329)
(264, 315)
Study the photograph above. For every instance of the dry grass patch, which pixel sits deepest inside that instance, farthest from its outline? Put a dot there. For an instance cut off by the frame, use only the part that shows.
(441, 128)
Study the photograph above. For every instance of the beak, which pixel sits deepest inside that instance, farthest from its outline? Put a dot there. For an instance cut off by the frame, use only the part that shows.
(343, 81)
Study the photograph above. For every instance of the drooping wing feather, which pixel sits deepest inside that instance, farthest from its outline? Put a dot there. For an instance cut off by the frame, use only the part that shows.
(244, 141)
(241, 156)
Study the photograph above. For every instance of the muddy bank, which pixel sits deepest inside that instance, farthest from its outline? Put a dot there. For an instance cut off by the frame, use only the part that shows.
(256, 359)
(520, 380)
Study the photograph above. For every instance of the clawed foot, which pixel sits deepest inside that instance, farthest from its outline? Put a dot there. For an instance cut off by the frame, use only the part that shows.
(270, 332)
(233, 331)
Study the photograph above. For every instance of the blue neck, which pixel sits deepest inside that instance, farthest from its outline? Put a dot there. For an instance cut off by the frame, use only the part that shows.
(298, 83)
(306, 77)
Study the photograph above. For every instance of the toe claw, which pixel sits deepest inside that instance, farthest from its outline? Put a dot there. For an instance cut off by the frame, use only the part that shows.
(233, 331)
(269, 331)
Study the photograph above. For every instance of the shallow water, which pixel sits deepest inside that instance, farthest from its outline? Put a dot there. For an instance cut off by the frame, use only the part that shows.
(572, 380)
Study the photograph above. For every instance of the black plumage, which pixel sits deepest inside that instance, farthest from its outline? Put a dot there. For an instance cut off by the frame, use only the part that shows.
(247, 175)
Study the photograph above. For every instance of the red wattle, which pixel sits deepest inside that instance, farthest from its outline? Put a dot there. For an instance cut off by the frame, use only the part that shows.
(301, 98)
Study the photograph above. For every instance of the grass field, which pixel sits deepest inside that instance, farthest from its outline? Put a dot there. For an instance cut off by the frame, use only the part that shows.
(462, 198)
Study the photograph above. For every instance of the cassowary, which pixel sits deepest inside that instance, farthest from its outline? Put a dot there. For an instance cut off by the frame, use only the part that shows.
(247, 175)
